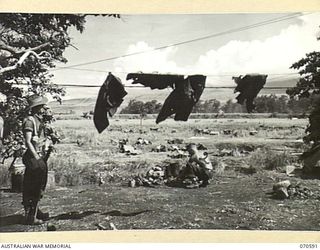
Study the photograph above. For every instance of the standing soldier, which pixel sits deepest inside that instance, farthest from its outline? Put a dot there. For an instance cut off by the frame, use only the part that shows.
(35, 176)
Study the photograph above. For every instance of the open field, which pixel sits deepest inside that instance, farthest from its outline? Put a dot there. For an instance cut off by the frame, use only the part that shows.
(92, 177)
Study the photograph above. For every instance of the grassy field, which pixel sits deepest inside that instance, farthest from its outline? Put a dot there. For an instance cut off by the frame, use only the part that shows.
(248, 161)
(82, 147)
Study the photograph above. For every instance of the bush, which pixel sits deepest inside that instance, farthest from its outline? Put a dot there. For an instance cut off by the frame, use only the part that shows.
(269, 159)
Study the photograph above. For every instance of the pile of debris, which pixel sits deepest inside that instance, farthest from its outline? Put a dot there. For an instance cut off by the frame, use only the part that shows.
(159, 148)
(232, 132)
(175, 141)
(163, 148)
(153, 177)
(124, 147)
(141, 141)
(300, 192)
(280, 190)
(168, 174)
(206, 132)
(154, 129)
(284, 190)
(177, 154)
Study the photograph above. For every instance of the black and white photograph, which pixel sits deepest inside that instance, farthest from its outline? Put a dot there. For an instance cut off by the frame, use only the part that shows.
(122, 121)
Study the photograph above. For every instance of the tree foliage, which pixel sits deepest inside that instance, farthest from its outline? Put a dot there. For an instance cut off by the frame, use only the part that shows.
(30, 45)
(140, 107)
(207, 106)
(264, 104)
(308, 86)
(309, 82)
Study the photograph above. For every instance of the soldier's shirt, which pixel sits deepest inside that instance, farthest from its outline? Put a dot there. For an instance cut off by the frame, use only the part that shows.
(33, 124)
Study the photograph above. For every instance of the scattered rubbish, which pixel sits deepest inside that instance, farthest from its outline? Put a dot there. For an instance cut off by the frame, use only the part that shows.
(141, 141)
(284, 190)
(174, 148)
(175, 141)
(280, 189)
(80, 143)
(299, 192)
(123, 141)
(153, 177)
(290, 169)
(128, 149)
(191, 183)
(206, 131)
(128, 131)
(86, 115)
(159, 148)
(253, 132)
(227, 131)
(235, 133)
(231, 152)
(178, 154)
(214, 133)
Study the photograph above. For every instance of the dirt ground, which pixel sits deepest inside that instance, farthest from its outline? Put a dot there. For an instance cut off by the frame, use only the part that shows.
(236, 199)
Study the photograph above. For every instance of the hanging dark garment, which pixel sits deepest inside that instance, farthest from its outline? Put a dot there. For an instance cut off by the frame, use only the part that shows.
(155, 81)
(182, 99)
(249, 87)
(109, 99)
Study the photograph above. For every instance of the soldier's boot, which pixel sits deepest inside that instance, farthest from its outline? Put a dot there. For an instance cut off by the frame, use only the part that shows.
(30, 215)
(42, 216)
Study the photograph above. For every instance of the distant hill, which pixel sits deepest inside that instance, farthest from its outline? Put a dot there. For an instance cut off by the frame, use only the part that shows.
(80, 105)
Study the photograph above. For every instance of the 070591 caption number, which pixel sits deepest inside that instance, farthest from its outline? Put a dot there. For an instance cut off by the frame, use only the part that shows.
(308, 246)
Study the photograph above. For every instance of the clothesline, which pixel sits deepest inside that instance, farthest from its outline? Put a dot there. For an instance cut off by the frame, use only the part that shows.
(208, 75)
(129, 86)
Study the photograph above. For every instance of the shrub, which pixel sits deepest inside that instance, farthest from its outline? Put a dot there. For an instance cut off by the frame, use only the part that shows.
(269, 159)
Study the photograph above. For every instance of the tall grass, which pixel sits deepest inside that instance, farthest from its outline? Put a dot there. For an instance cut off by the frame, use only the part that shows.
(268, 159)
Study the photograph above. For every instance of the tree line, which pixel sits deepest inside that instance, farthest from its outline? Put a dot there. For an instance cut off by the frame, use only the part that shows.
(264, 104)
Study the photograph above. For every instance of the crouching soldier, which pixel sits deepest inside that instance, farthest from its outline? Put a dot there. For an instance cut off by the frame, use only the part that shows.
(198, 167)
(35, 176)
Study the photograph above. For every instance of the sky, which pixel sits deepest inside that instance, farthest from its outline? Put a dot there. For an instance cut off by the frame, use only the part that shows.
(234, 44)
